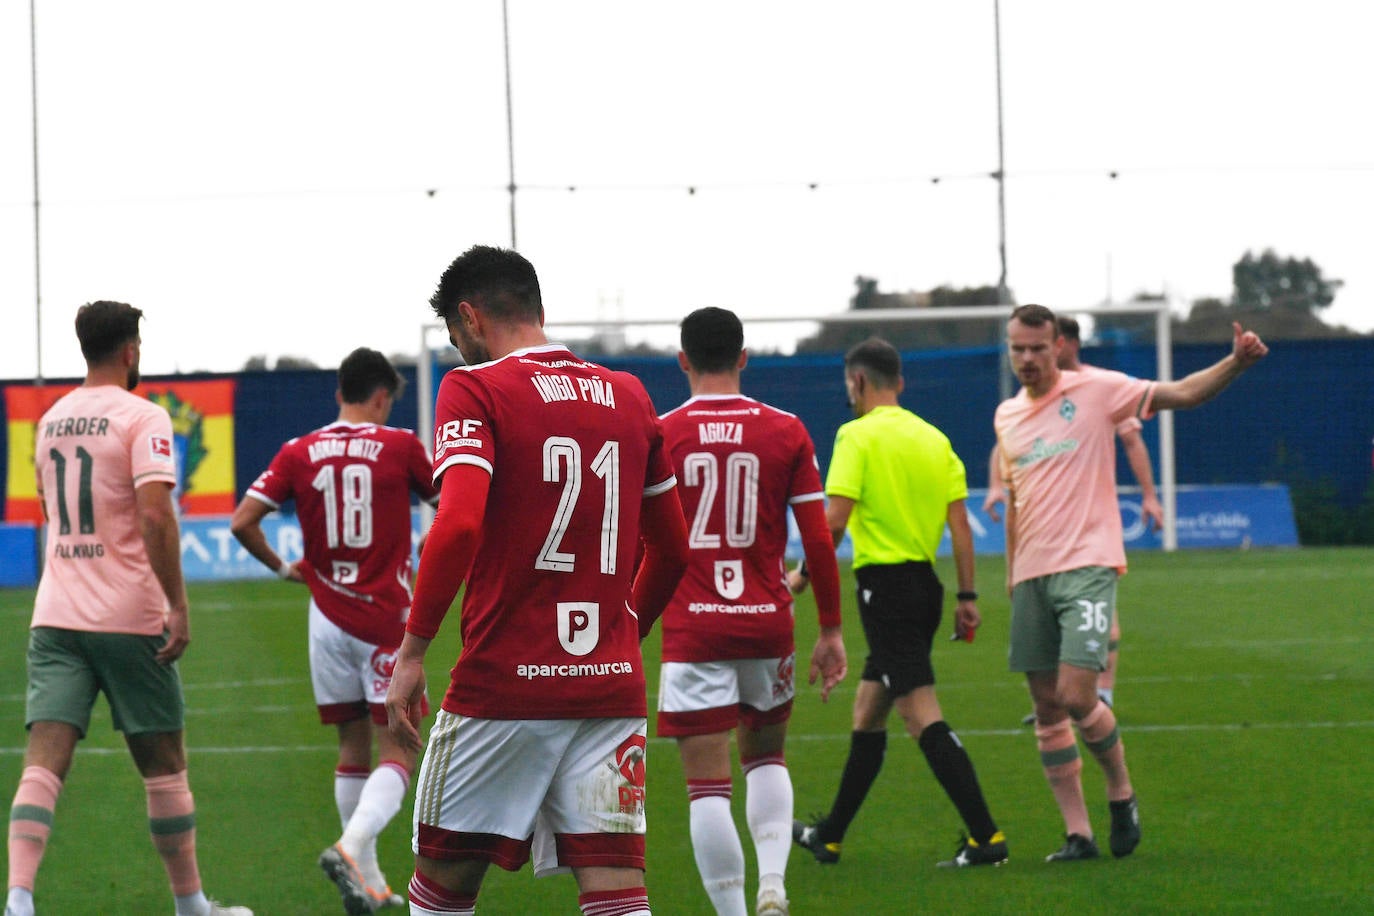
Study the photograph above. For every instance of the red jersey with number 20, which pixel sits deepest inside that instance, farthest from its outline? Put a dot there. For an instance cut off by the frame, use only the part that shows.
(352, 486)
(740, 464)
(573, 449)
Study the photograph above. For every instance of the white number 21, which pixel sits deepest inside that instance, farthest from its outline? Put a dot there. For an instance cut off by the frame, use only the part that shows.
(563, 463)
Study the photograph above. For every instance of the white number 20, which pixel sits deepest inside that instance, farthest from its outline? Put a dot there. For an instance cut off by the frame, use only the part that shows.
(700, 469)
(563, 464)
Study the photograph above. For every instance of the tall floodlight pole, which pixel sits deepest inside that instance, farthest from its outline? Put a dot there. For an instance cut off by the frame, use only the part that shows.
(1003, 293)
(510, 123)
(37, 260)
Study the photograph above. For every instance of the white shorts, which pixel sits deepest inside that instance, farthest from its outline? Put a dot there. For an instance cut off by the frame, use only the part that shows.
(350, 676)
(696, 698)
(571, 789)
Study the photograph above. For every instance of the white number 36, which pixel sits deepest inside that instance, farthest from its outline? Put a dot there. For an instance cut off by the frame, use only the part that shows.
(1094, 616)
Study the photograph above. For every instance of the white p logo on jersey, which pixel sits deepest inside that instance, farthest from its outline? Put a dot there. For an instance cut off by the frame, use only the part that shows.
(578, 626)
(729, 579)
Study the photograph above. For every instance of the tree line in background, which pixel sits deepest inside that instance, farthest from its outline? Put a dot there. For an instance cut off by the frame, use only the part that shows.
(1278, 297)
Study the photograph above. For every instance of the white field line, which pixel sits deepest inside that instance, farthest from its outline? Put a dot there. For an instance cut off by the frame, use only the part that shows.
(1021, 733)
(1011, 681)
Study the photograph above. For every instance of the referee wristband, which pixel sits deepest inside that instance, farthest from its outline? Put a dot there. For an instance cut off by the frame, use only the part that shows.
(967, 596)
(284, 570)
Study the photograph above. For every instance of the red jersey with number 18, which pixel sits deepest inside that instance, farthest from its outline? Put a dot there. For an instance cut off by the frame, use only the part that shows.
(740, 463)
(352, 486)
(573, 449)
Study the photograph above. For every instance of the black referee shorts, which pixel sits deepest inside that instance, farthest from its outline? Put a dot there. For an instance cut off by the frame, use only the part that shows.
(900, 607)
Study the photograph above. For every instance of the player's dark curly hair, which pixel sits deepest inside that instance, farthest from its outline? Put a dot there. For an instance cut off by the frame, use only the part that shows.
(879, 360)
(713, 339)
(103, 327)
(363, 371)
(499, 280)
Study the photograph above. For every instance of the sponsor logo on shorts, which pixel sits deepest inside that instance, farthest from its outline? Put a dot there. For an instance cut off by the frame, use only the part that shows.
(629, 761)
(787, 671)
(383, 662)
(383, 665)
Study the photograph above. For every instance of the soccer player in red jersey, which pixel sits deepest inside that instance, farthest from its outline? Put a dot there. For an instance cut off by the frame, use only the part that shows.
(550, 469)
(728, 649)
(352, 481)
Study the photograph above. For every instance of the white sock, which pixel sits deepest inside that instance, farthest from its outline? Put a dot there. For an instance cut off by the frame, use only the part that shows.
(19, 902)
(381, 798)
(196, 904)
(768, 811)
(417, 910)
(348, 787)
(719, 854)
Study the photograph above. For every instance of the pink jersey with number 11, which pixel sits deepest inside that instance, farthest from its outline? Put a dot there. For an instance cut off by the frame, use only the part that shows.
(94, 448)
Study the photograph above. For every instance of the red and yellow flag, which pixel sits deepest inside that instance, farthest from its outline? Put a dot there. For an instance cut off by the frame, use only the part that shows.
(202, 425)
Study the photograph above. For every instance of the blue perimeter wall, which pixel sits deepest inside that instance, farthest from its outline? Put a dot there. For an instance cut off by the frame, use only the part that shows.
(1304, 415)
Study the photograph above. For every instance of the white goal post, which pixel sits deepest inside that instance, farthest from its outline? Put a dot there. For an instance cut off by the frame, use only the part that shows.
(425, 381)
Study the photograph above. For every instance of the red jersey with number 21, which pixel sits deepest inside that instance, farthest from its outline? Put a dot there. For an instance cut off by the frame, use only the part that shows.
(352, 486)
(573, 448)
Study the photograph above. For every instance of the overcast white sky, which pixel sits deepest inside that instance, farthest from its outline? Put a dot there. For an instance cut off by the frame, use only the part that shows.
(255, 175)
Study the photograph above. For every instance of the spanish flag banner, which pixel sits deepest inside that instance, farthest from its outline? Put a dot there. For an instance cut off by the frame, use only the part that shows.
(203, 432)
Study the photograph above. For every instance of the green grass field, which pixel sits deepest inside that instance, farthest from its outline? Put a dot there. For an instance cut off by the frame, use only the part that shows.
(1246, 701)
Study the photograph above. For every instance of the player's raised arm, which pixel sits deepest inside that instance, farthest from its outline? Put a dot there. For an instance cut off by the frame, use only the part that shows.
(1201, 386)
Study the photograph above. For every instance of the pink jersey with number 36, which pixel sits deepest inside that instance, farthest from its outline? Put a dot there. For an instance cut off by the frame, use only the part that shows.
(1059, 452)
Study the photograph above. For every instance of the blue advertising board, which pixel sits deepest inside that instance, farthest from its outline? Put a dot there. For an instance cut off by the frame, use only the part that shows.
(1207, 516)
(18, 554)
(209, 550)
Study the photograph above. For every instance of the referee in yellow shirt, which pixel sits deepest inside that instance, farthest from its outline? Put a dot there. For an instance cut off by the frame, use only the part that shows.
(895, 482)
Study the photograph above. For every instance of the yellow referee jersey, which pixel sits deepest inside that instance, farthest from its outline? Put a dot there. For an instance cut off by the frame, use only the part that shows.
(902, 474)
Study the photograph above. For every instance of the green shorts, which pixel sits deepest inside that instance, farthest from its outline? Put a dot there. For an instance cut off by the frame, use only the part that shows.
(67, 668)
(1063, 618)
